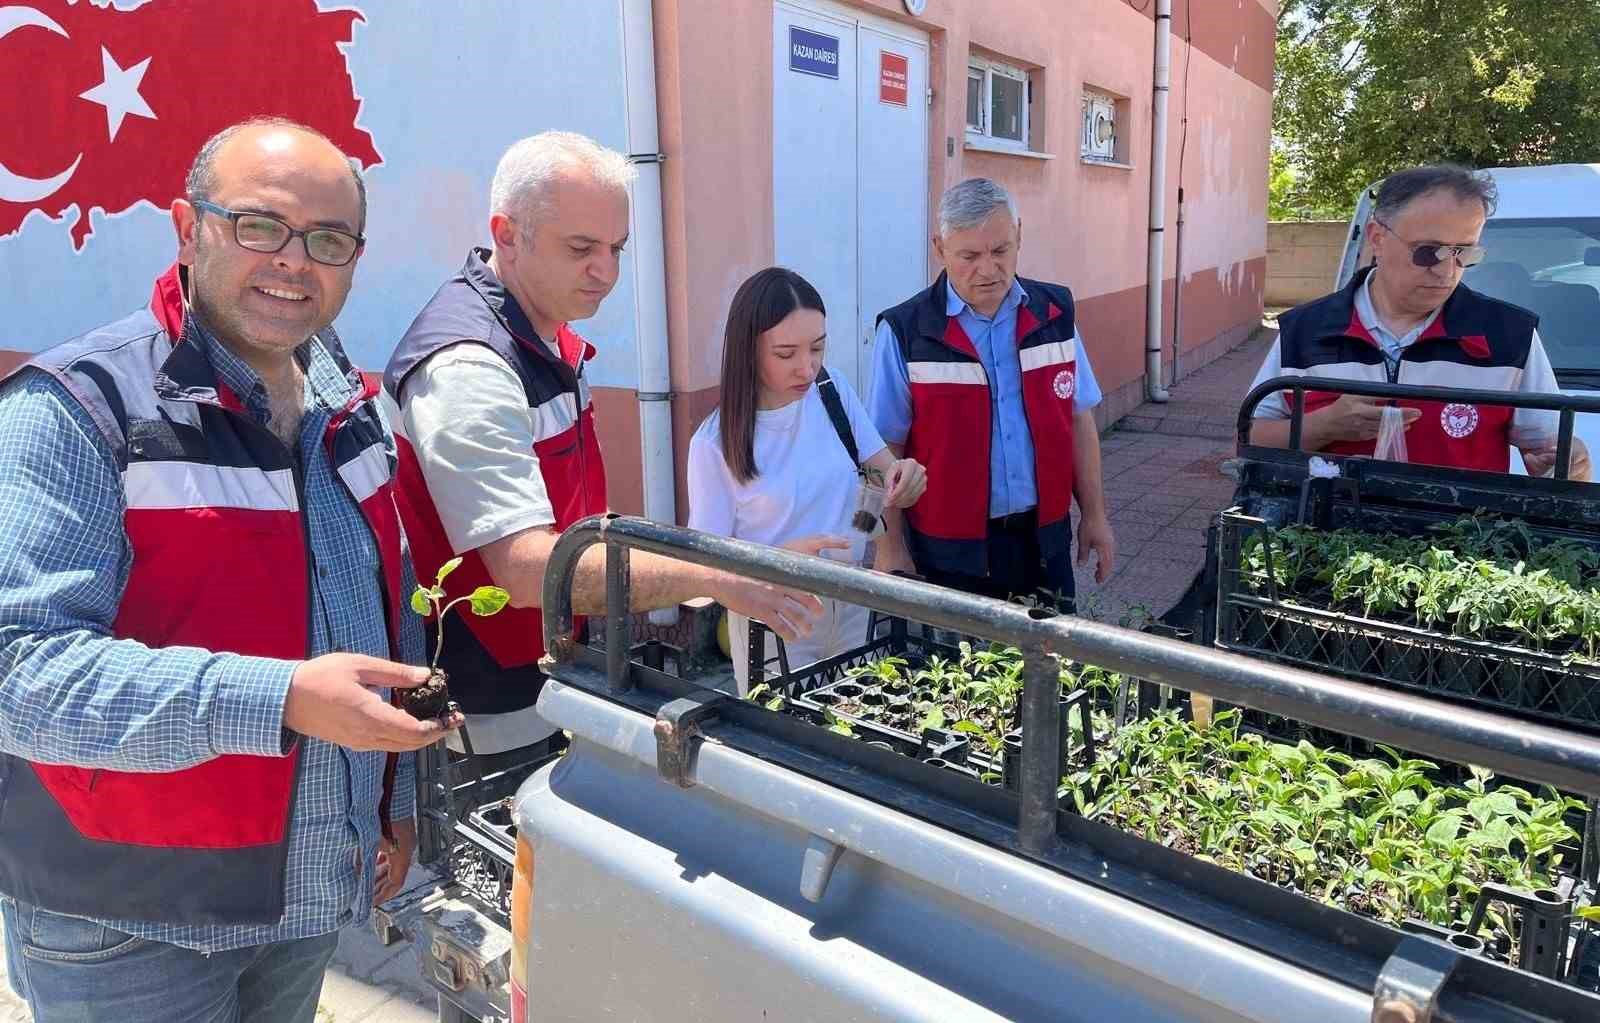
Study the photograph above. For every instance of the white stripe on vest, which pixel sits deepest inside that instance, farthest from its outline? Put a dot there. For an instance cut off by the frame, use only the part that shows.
(366, 472)
(1055, 353)
(947, 373)
(555, 416)
(1431, 374)
(172, 485)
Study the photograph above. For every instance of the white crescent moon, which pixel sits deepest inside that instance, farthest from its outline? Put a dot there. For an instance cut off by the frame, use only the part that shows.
(15, 187)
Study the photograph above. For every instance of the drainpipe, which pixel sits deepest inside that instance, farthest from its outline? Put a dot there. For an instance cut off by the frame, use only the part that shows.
(1177, 285)
(646, 239)
(1158, 204)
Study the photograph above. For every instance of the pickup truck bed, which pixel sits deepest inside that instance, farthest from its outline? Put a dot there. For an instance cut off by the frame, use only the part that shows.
(698, 857)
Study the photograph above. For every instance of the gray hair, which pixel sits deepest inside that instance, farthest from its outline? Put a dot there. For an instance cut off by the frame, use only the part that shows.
(523, 179)
(201, 182)
(971, 202)
(1464, 183)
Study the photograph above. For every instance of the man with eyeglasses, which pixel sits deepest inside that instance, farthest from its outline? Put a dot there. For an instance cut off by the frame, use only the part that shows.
(202, 607)
(1408, 319)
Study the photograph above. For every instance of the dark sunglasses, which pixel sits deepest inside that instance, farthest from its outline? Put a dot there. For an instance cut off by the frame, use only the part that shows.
(1429, 256)
(261, 233)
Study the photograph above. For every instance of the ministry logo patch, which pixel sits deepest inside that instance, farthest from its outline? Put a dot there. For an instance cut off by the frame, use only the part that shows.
(1459, 420)
(1066, 381)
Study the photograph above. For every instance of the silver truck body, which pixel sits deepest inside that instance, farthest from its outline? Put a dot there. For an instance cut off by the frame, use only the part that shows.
(665, 903)
(697, 857)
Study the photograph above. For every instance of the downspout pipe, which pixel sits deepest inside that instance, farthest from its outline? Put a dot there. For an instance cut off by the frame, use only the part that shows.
(646, 239)
(1153, 388)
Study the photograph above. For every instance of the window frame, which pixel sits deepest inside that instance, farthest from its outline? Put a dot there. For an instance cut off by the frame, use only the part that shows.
(987, 68)
(1094, 100)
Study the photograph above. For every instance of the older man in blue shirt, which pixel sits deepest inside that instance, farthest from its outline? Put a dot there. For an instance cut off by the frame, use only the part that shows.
(981, 324)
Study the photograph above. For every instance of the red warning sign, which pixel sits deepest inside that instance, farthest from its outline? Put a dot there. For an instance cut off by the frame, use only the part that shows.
(894, 73)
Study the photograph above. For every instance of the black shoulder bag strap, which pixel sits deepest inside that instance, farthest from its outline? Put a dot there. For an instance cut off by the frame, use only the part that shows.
(829, 393)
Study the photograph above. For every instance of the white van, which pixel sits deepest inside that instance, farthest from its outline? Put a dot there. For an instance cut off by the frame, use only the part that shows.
(1544, 255)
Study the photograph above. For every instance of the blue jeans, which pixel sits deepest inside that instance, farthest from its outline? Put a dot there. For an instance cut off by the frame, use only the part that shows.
(73, 970)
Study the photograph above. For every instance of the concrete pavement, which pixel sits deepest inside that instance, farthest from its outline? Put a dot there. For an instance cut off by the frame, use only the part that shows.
(1164, 485)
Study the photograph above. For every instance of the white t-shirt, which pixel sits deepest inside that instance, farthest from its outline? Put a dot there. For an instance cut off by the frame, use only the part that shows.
(806, 486)
(466, 415)
(467, 419)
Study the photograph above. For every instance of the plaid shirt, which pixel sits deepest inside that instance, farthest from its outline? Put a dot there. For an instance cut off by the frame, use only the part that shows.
(71, 694)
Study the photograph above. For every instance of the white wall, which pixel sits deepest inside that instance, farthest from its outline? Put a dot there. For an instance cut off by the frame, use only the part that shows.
(445, 88)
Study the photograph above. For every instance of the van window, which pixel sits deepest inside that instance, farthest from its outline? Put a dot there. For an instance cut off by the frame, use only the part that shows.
(1552, 267)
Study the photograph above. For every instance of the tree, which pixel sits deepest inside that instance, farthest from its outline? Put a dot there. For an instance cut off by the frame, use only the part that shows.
(1366, 87)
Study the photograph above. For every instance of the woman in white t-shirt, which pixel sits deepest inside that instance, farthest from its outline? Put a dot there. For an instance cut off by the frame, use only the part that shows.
(770, 466)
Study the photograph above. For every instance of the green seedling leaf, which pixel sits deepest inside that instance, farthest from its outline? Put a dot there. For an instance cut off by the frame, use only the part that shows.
(1444, 830)
(419, 602)
(445, 569)
(488, 600)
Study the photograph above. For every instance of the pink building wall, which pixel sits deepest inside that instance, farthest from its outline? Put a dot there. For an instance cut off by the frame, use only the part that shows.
(1084, 225)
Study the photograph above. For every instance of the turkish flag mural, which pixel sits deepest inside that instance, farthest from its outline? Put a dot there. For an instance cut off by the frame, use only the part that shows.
(107, 108)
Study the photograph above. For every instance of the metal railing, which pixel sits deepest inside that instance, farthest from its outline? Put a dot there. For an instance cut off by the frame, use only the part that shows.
(1531, 752)
(1567, 405)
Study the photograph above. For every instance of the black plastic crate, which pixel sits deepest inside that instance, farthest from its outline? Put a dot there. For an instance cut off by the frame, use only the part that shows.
(814, 690)
(1255, 617)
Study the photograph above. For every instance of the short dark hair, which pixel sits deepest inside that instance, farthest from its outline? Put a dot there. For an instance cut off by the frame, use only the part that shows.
(761, 303)
(201, 182)
(1464, 183)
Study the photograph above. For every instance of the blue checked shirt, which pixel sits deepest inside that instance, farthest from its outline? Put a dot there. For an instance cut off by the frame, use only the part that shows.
(71, 694)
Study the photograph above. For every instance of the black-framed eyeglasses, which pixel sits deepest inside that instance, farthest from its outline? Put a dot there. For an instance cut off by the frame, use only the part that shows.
(261, 233)
(1429, 256)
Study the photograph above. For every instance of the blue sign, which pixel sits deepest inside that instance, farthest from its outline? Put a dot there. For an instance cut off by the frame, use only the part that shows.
(812, 53)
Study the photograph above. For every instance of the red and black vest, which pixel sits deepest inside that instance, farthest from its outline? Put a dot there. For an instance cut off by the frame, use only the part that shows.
(951, 428)
(1474, 342)
(220, 561)
(493, 662)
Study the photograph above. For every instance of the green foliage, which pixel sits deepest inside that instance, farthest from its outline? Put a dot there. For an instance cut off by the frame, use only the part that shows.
(1366, 87)
(1377, 836)
(484, 601)
(1381, 836)
(1478, 577)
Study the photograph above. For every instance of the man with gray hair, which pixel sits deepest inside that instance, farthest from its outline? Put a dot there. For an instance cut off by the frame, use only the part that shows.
(498, 451)
(984, 373)
(1408, 319)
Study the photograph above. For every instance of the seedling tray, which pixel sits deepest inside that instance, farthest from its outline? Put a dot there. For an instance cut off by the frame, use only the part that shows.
(1256, 617)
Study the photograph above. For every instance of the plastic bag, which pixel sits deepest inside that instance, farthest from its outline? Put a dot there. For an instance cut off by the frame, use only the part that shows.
(1391, 435)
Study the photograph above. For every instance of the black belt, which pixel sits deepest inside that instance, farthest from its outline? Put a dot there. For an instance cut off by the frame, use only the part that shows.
(1016, 522)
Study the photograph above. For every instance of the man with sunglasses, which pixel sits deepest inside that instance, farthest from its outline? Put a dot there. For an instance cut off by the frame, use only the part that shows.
(202, 603)
(1408, 319)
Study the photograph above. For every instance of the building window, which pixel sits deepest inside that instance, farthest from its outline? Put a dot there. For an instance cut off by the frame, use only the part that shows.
(999, 98)
(975, 84)
(1104, 123)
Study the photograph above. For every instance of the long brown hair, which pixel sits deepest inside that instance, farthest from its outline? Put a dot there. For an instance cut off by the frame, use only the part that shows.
(761, 303)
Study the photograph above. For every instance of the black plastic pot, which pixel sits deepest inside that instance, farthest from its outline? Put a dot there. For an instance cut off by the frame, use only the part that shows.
(1011, 761)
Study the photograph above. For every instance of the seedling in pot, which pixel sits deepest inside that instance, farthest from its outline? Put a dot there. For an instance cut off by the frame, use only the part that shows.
(432, 698)
(869, 507)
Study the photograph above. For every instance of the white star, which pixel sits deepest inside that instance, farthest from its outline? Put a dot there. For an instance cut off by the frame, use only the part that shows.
(119, 93)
